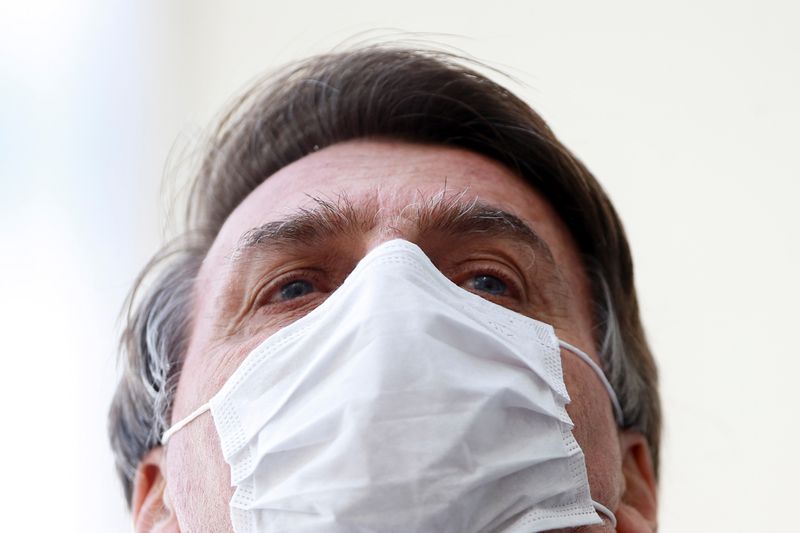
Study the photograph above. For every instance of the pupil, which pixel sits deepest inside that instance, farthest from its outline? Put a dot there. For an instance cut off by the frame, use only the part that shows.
(489, 284)
(296, 289)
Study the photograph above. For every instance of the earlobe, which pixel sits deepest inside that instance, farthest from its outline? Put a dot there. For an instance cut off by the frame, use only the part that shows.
(638, 510)
(152, 512)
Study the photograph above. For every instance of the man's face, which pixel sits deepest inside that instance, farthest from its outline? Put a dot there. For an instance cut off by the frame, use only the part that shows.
(338, 204)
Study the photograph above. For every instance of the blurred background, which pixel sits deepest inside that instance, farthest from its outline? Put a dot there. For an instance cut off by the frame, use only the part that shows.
(686, 111)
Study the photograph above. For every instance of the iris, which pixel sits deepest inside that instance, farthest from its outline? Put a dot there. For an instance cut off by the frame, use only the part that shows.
(489, 284)
(296, 289)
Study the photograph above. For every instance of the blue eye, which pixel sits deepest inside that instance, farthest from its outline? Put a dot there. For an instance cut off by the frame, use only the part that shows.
(296, 289)
(489, 284)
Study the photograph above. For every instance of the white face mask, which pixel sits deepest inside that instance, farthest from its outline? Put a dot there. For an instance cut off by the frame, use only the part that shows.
(403, 403)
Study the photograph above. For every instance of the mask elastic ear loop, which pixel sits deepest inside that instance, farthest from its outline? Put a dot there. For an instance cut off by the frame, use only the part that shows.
(180, 425)
(600, 374)
(600, 508)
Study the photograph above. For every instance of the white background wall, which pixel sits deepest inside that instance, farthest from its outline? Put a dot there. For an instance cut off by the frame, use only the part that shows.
(687, 111)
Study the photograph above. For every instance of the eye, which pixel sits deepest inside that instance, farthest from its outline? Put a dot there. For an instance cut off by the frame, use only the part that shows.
(300, 287)
(492, 280)
(295, 289)
(488, 284)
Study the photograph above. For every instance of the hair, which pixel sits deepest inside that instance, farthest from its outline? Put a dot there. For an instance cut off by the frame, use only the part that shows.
(379, 91)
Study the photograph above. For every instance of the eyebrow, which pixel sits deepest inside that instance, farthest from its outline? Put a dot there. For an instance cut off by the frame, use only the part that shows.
(439, 215)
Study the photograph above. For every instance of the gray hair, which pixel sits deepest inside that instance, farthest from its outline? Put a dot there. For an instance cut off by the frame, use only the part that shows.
(157, 325)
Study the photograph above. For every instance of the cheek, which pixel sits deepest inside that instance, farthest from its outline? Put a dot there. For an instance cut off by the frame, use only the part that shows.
(198, 478)
(595, 430)
(209, 363)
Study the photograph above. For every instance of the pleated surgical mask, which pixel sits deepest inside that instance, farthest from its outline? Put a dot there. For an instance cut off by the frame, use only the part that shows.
(404, 403)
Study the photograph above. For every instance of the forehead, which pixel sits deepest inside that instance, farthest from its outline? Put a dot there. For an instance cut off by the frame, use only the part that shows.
(384, 179)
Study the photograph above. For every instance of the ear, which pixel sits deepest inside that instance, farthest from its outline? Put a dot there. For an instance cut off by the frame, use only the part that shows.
(152, 512)
(637, 512)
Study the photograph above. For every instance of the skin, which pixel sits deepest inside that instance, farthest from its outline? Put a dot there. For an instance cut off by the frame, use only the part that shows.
(185, 485)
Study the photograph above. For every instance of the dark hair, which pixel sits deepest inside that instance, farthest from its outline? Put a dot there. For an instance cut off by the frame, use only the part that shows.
(377, 91)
